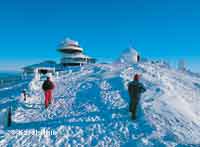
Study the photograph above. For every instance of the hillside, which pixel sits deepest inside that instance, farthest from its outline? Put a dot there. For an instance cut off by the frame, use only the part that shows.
(90, 108)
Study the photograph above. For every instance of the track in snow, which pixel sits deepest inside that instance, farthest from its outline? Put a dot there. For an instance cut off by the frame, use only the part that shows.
(91, 109)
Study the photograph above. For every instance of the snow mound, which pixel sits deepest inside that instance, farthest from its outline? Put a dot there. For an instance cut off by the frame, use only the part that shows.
(90, 108)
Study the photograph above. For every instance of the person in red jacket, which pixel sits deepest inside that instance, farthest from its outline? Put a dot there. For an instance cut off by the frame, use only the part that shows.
(48, 87)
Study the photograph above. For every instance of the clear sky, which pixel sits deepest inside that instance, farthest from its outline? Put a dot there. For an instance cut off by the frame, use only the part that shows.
(30, 30)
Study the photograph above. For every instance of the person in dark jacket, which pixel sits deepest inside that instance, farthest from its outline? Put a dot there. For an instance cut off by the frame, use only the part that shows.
(135, 88)
(48, 87)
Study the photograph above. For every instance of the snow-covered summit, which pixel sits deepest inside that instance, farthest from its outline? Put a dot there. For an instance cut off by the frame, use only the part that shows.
(90, 108)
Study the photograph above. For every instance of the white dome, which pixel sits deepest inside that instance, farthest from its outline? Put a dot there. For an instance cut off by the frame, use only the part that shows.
(69, 42)
(69, 45)
(129, 56)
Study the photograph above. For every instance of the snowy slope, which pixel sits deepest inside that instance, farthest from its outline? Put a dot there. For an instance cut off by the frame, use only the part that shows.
(90, 108)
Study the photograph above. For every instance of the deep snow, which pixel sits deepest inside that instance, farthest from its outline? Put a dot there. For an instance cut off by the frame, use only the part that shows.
(90, 108)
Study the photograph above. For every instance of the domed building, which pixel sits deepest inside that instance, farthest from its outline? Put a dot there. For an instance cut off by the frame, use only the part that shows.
(129, 55)
(72, 54)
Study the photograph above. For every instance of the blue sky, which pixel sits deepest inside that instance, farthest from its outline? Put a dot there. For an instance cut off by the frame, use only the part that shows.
(30, 31)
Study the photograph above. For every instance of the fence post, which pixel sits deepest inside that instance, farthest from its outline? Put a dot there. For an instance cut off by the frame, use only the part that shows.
(1, 82)
(9, 116)
(6, 117)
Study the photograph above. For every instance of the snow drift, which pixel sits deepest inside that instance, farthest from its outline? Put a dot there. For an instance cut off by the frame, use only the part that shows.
(90, 108)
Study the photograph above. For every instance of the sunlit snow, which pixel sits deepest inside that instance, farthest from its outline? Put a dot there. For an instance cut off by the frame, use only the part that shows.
(90, 108)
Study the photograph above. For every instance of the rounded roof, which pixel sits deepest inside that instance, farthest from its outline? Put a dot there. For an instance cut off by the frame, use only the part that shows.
(131, 51)
(69, 44)
(129, 56)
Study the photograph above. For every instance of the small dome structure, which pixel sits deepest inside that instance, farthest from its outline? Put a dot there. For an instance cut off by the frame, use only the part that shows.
(130, 55)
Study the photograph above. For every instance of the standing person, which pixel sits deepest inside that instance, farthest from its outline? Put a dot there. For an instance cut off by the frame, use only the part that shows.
(48, 87)
(135, 88)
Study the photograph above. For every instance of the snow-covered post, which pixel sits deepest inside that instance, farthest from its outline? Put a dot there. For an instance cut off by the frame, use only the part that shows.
(37, 76)
(1, 82)
(57, 75)
(6, 117)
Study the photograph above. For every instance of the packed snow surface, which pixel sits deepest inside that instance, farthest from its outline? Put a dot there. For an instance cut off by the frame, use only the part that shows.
(90, 108)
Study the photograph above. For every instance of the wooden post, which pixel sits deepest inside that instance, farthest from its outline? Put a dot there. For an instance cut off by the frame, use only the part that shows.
(9, 116)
